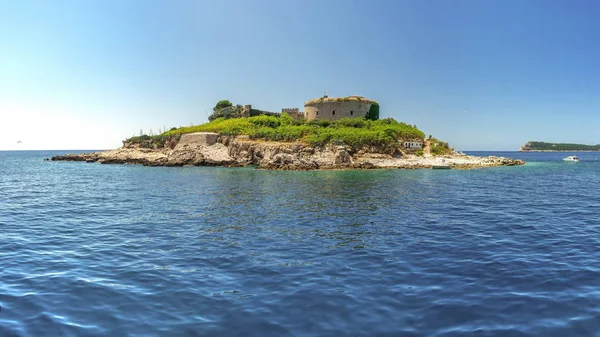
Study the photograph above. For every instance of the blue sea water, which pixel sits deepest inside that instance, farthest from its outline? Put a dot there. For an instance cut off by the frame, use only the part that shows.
(126, 250)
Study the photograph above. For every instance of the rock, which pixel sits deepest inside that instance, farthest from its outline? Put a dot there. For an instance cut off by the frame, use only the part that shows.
(197, 139)
(364, 165)
(342, 157)
(210, 149)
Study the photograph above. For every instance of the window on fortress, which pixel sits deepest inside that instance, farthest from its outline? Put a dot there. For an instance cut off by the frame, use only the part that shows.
(317, 113)
(351, 113)
(333, 112)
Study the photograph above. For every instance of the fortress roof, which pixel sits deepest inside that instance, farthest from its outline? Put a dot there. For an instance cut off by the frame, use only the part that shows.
(338, 99)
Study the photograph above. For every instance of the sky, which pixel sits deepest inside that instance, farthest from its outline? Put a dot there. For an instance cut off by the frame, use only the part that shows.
(481, 75)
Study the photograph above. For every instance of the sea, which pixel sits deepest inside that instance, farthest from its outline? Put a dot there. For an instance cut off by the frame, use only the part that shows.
(125, 250)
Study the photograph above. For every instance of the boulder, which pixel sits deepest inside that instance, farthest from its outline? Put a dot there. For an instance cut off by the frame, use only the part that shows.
(197, 139)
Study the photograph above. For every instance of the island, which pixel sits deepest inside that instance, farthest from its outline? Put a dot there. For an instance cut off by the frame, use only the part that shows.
(534, 146)
(332, 133)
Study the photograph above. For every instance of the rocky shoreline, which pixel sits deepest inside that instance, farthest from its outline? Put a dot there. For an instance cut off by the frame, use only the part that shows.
(211, 149)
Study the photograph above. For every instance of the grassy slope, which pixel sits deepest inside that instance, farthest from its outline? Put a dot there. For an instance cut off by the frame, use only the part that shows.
(354, 132)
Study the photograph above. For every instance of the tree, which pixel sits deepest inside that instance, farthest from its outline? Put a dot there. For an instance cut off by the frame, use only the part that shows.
(373, 113)
(235, 111)
(222, 104)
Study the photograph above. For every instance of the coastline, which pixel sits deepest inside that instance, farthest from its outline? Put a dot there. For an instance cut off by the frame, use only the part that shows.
(537, 146)
(559, 151)
(210, 149)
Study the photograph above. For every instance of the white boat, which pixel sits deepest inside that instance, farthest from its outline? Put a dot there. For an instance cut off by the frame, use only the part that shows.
(571, 158)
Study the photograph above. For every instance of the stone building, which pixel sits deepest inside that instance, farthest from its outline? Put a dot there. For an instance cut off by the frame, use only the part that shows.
(332, 108)
(293, 112)
(413, 144)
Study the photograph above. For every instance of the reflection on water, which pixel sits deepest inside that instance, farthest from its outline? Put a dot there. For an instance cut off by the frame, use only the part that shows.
(109, 250)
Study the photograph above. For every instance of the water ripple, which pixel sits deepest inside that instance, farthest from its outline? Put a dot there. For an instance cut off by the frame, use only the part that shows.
(103, 250)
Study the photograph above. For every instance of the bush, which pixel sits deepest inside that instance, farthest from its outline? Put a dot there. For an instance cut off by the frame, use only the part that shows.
(388, 121)
(222, 104)
(152, 142)
(373, 113)
(286, 119)
(263, 120)
(440, 149)
(350, 123)
(319, 122)
(354, 132)
(236, 111)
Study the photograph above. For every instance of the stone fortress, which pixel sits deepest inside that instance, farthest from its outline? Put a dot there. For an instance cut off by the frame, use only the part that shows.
(332, 108)
(329, 108)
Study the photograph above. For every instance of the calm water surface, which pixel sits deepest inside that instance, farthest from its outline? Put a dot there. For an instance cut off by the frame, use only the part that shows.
(125, 250)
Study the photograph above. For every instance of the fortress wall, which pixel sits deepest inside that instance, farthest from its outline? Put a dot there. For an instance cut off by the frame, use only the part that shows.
(342, 109)
(293, 112)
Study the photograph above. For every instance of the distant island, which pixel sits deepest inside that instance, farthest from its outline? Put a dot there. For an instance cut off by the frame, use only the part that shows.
(556, 147)
(331, 133)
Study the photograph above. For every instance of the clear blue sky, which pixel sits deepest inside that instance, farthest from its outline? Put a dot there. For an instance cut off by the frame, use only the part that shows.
(482, 75)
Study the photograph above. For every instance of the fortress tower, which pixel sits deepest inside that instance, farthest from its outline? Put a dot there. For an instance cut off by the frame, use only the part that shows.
(332, 108)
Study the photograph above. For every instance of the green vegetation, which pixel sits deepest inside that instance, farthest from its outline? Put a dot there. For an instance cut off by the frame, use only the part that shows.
(232, 111)
(256, 112)
(222, 104)
(438, 148)
(225, 109)
(354, 132)
(154, 142)
(233, 120)
(542, 146)
(373, 113)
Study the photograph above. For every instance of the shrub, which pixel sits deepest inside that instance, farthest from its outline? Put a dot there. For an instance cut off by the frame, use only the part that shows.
(152, 142)
(286, 119)
(441, 148)
(236, 111)
(350, 122)
(354, 132)
(373, 113)
(388, 121)
(263, 120)
(319, 122)
(222, 104)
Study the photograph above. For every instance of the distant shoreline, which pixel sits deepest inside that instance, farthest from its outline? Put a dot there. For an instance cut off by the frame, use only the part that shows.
(558, 151)
(535, 146)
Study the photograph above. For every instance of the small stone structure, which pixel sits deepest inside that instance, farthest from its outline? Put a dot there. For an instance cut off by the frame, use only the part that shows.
(413, 144)
(246, 110)
(332, 108)
(197, 139)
